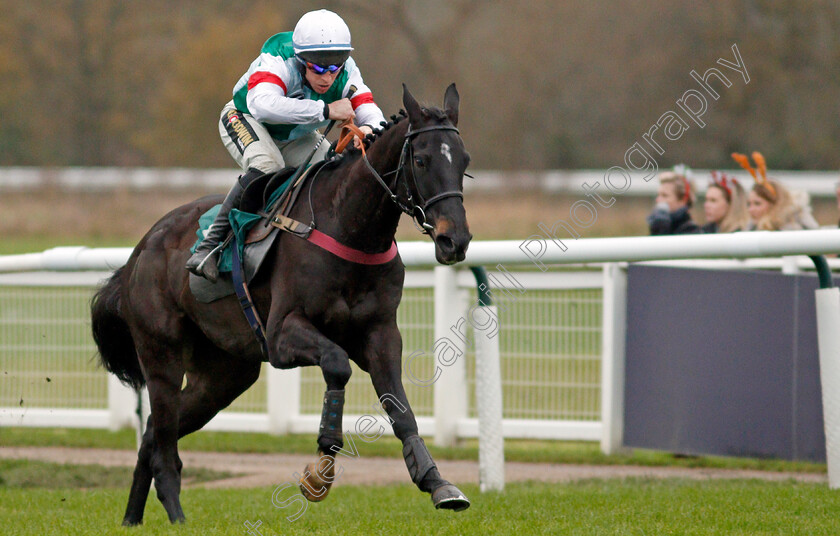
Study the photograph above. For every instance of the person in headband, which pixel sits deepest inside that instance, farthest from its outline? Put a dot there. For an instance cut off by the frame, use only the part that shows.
(725, 206)
(674, 198)
(771, 206)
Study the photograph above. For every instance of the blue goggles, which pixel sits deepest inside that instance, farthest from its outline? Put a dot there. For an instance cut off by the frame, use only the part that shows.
(321, 69)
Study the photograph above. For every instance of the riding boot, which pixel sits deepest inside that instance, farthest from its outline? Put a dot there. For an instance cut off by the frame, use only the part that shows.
(205, 261)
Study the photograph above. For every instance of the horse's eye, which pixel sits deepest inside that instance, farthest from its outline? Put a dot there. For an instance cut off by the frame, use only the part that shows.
(419, 162)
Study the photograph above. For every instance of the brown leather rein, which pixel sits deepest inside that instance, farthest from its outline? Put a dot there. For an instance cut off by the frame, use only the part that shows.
(349, 131)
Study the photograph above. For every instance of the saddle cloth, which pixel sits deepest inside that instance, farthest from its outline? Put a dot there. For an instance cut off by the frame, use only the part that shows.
(253, 234)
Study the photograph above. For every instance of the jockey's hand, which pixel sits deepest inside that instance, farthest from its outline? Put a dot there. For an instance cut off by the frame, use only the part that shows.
(341, 110)
(357, 143)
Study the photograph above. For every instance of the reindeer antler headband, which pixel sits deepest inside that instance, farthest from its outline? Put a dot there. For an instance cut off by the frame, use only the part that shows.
(685, 173)
(761, 175)
(724, 181)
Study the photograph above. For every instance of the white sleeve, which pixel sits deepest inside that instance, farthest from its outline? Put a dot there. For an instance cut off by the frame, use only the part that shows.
(267, 100)
(268, 104)
(367, 112)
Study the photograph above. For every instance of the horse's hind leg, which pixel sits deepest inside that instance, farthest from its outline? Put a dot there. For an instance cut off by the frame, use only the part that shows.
(142, 481)
(214, 380)
(158, 459)
(300, 343)
(164, 370)
(383, 351)
(210, 388)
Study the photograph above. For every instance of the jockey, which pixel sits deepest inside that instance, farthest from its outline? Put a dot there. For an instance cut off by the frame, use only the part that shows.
(299, 82)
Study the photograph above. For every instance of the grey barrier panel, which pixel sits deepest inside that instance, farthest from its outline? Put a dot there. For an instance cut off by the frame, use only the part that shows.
(723, 362)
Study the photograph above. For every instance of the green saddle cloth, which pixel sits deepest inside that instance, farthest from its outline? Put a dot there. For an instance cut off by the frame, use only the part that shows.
(240, 221)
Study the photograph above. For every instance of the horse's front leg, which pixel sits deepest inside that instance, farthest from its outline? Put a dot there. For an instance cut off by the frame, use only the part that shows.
(299, 343)
(383, 356)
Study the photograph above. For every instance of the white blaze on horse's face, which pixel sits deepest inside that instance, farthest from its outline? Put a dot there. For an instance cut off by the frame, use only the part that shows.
(444, 150)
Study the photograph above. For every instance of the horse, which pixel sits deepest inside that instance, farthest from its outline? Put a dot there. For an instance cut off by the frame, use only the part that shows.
(318, 309)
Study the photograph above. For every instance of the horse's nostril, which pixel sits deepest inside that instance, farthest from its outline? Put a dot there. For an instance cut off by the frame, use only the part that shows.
(445, 243)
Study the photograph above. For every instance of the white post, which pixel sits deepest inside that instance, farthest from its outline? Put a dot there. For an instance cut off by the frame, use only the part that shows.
(790, 266)
(122, 405)
(451, 386)
(488, 398)
(828, 320)
(283, 399)
(612, 358)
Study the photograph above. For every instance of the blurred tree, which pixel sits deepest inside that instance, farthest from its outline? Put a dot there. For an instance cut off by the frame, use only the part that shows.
(183, 130)
(543, 83)
(14, 85)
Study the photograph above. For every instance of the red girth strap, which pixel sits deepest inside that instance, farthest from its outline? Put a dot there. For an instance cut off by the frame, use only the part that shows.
(331, 244)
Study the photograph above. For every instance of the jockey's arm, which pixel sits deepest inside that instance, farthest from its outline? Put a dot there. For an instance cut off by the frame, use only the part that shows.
(268, 103)
(368, 114)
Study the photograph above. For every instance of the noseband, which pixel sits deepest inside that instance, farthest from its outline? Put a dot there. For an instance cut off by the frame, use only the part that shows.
(417, 211)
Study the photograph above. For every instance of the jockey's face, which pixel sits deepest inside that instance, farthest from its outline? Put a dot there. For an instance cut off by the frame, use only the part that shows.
(321, 83)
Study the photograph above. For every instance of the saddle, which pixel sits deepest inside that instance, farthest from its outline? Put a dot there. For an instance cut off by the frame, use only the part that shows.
(269, 199)
(269, 195)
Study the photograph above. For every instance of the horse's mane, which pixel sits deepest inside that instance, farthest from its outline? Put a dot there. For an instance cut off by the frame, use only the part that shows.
(351, 153)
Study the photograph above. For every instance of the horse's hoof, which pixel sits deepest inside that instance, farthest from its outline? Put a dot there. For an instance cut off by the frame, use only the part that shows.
(449, 497)
(315, 484)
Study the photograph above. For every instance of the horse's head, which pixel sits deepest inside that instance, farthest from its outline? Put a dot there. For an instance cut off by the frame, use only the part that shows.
(436, 160)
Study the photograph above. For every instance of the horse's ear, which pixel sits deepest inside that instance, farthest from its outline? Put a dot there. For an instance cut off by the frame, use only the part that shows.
(450, 103)
(411, 106)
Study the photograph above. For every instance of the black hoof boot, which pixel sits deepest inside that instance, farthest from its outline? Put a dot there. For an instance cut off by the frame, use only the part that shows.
(448, 497)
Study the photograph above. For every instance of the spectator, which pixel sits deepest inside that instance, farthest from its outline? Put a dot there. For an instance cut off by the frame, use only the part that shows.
(725, 206)
(673, 200)
(772, 207)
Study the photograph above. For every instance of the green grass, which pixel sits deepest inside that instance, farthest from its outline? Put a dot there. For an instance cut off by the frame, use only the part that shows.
(574, 452)
(621, 507)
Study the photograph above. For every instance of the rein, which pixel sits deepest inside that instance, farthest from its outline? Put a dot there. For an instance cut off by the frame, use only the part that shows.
(316, 237)
(409, 206)
(415, 210)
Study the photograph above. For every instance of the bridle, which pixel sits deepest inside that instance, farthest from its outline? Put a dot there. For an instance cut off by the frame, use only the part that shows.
(416, 210)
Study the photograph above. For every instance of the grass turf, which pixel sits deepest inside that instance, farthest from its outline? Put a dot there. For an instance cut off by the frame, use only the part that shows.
(634, 506)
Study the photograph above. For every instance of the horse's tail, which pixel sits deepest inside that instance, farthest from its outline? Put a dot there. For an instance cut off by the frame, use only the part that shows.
(112, 336)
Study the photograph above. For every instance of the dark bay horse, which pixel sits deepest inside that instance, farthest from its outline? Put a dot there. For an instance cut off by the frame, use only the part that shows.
(318, 309)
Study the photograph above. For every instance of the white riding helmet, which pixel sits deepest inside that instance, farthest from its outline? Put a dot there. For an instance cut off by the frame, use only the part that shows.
(322, 37)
